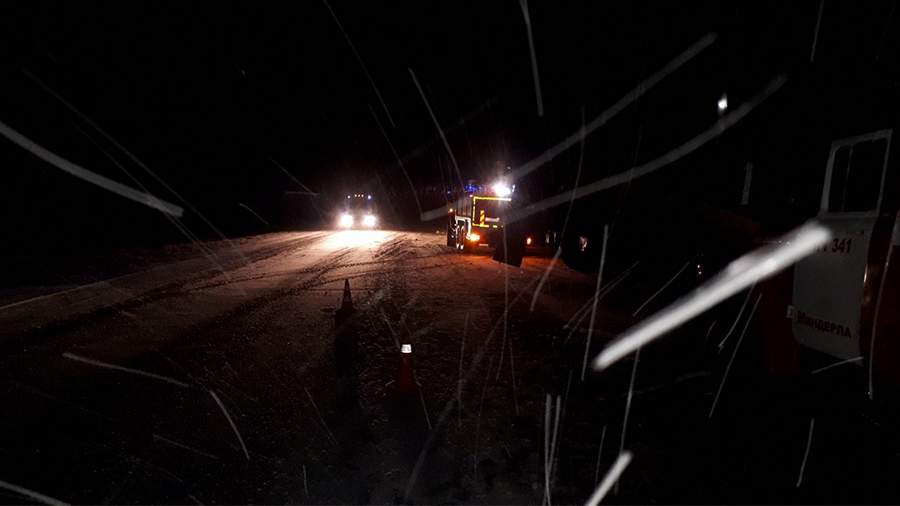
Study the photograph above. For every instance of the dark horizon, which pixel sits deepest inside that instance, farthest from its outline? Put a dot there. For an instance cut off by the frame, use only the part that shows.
(209, 97)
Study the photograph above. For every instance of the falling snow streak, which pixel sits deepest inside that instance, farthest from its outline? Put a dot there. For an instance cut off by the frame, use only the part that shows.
(506, 338)
(412, 187)
(579, 315)
(739, 274)
(391, 329)
(634, 160)
(812, 425)
(634, 366)
(884, 276)
(599, 454)
(295, 192)
(505, 304)
(424, 147)
(562, 234)
(61, 292)
(748, 181)
(736, 318)
(31, 494)
(204, 250)
(616, 108)
(582, 135)
(737, 347)
(656, 293)
(184, 446)
(812, 50)
(566, 396)
(360, 61)
(582, 311)
(534, 65)
(581, 319)
(438, 127)
(384, 191)
(462, 349)
(305, 482)
(234, 428)
(322, 420)
(260, 218)
(550, 444)
(424, 407)
(294, 179)
(106, 365)
(91, 177)
(537, 291)
(587, 343)
(708, 332)
(612, 477)
(605, 116)
(512, 372)
(680, 379)
(46, 395)
(447, 411)
(717, 128)
(306, 191)
(547, 404)
(553, 443)
(477, 425)
(134, 159)
(836, 364)
(562, 423)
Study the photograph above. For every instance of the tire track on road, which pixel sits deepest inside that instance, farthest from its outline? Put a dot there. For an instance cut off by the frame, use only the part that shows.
(311, 269)
(40, 334)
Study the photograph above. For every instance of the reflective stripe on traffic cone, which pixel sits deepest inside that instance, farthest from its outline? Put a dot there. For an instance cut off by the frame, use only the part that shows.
(406, 380)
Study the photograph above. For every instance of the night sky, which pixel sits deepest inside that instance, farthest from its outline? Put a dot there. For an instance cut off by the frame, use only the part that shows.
(207, 95)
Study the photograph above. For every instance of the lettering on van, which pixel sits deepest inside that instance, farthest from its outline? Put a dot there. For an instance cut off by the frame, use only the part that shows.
(823, 325)
(838, 245)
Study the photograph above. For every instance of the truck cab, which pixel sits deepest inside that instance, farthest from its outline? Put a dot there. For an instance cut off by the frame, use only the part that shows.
(358, 211)
(476, 217)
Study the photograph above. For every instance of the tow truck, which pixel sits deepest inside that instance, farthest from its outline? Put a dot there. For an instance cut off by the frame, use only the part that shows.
(843, 300)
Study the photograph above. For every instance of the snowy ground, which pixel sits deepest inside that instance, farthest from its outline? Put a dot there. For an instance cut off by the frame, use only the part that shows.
(252, 327)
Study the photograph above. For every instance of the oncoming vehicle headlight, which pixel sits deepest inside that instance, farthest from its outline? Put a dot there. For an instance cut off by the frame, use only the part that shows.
(369, 220)
(346, 220)
(473, 237)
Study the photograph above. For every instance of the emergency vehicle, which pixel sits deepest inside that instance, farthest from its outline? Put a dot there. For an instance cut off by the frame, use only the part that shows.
(843, 299)
(476, 218)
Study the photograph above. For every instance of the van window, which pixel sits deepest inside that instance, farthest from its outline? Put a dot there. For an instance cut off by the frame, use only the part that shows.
(856, 176)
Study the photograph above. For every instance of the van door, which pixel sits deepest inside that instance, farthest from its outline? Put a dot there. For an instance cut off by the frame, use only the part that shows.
(827, 299)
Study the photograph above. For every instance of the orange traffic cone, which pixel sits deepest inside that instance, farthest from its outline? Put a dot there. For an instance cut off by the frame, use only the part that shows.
(406, 380)
(346, 308)
(347, 301)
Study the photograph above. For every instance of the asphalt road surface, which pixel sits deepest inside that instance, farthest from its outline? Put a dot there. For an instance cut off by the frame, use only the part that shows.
(222, 376)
